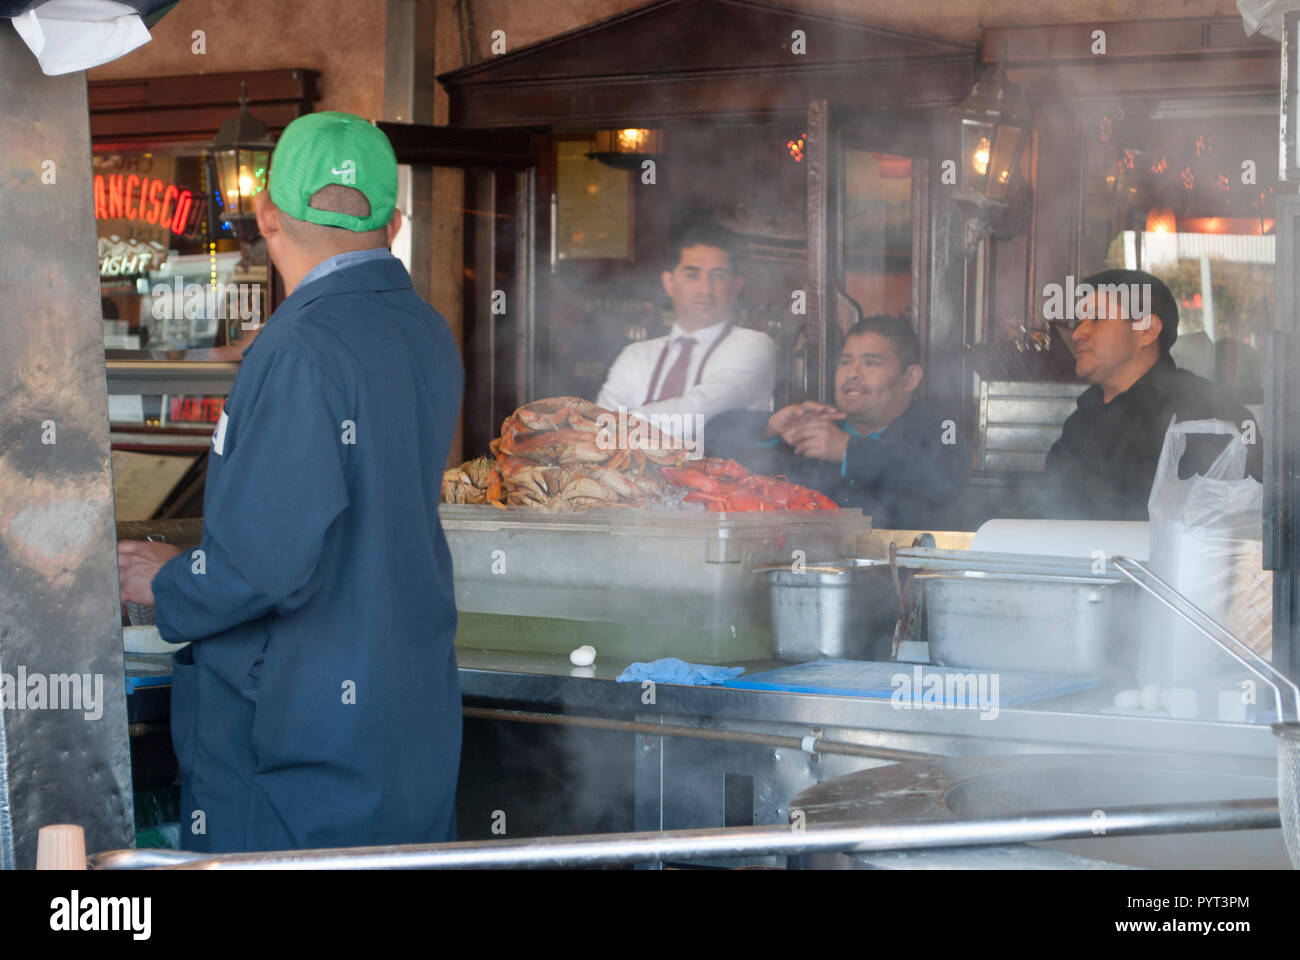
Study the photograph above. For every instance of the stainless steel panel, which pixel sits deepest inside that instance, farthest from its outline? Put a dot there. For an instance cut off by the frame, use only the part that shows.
(1040, 410)
(58, 593)
(1034, 388)
(999, 460)
(1026, 438)
(682, 784)
(1017, 418)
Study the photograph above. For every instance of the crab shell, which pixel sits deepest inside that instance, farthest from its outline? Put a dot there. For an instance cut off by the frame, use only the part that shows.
(555, 412)
(553, 487)
(474, 481)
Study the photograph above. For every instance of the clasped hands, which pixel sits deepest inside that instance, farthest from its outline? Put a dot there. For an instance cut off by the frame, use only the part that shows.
(812, 429)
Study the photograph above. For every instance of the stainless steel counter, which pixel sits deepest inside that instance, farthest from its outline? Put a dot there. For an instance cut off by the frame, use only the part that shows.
(1074, 722)
(565, 749)
(730, 757)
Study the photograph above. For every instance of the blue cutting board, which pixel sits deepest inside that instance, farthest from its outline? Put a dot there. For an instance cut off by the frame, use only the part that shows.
(872, 680)
(147, 670)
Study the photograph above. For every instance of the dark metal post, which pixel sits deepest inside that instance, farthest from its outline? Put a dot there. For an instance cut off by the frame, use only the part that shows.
(64, 752)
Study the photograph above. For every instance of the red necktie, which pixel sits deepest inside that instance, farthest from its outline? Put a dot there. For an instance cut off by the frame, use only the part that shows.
(675, 380)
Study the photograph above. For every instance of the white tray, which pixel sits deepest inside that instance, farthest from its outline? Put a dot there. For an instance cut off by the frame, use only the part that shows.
(146, 640)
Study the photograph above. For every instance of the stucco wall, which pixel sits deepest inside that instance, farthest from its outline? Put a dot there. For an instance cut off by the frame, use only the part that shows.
(343, 39)
(526, 21)
(965, 21)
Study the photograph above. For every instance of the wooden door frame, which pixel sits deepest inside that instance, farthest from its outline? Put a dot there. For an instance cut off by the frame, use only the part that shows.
(831, 130)
(499, 351)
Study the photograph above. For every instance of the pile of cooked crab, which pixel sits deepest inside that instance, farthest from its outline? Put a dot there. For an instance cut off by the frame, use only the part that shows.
(558, 454)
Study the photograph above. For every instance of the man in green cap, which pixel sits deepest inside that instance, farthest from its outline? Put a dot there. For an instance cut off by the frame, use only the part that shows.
(318, 704)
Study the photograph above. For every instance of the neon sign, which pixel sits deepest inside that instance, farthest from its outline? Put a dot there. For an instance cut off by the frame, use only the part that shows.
(148, 200)
(121, 258)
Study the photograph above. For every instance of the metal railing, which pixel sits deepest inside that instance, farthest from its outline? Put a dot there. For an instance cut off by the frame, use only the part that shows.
(730, 843)
(1211, 629)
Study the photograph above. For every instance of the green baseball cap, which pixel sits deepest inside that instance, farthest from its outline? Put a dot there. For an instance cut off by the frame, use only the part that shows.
(319, 149)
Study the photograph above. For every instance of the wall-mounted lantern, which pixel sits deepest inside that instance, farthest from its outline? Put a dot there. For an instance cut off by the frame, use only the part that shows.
(240, 157)
(995, 126)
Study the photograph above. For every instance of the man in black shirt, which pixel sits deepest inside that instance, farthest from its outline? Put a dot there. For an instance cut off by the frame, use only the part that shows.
(874, 449)
(1103, 465)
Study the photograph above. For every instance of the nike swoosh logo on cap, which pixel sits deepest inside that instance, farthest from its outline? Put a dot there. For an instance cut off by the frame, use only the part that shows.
(337, 172)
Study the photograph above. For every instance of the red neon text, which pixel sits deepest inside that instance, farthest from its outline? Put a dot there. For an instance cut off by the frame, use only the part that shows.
(130, 197)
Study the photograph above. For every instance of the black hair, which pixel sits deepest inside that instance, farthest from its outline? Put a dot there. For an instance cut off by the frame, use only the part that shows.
(704, 233)
(899, 332)
(1163, 304)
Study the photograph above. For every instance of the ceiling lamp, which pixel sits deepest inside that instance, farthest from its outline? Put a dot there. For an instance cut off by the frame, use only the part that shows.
(628, 148)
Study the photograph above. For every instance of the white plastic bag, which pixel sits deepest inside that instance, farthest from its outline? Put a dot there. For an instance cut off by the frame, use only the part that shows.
(1206, 541)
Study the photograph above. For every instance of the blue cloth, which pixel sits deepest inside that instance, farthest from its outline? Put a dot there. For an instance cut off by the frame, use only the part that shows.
(319, 704)
(341, 260)
(672, 670)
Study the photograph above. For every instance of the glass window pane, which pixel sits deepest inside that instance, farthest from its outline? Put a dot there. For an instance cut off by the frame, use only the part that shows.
(878, 232)
(170, 280)
(594, 205)
(1185, 197)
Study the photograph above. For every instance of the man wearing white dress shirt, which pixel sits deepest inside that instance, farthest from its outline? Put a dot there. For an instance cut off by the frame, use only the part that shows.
(706, 364)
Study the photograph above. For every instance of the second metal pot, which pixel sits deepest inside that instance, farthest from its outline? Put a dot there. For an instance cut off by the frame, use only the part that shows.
(833, 610)
(1039, 624)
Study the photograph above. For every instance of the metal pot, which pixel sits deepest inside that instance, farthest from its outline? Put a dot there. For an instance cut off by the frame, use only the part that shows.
(830, 610)
(1034, 623)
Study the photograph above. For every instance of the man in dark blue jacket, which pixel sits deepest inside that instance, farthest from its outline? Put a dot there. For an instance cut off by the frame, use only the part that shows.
(875, 449)
(318, 703)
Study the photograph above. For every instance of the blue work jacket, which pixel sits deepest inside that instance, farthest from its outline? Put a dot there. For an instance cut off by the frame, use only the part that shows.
(318, 704)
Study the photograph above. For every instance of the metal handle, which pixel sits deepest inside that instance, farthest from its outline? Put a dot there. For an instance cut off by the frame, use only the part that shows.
(817, 566)
(921, 558)
(1180, 605)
